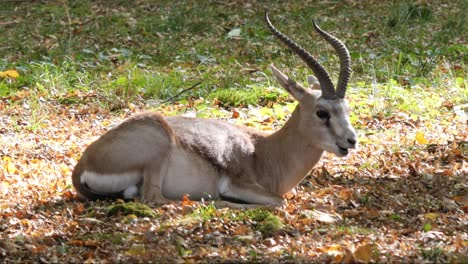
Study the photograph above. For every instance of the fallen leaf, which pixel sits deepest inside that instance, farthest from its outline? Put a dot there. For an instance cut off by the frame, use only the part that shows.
(234, 33)
(364, 253)
(79, 209)
(431, 216)
(461, 199)
(448, 104)
(13, 74)
(324, 217)
(420, 138)
(242, 230)
(427, 227)
(10, 166)
(346, 194)
(38, 248)
(88, 221)
(186, 201)
(235, 113)
(334, 250)
(136, 250)
(91, 243)
(77, 243)
(373, 213)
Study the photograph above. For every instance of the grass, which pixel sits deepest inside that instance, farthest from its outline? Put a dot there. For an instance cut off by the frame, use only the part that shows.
(153, 50)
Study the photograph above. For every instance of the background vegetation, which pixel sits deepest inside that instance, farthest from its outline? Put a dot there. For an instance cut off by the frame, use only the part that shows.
(71, 69)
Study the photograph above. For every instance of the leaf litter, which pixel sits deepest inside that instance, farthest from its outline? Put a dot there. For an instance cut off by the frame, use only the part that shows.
(400, 197)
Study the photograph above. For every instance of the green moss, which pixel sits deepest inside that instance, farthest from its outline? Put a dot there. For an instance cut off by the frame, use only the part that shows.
(137, 209)
(267, 223)
(258, 214)
(270, 225)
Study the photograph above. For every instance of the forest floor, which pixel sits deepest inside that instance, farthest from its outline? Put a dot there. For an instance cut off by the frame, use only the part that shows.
(67, 78)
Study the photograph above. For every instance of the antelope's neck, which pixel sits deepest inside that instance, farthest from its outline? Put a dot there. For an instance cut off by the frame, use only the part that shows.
(285, 157)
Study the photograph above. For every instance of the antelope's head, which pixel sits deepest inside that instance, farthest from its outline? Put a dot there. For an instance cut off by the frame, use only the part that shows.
(323, 112)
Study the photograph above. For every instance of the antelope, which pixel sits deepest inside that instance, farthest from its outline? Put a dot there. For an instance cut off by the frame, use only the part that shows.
(159, 159)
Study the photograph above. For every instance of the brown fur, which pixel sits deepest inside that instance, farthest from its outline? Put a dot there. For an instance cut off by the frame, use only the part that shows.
(108, 156)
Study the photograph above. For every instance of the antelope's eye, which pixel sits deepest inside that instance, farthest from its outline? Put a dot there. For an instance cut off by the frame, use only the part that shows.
(323, 114)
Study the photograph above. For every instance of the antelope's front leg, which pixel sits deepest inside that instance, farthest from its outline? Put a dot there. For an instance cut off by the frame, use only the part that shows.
(249, 192)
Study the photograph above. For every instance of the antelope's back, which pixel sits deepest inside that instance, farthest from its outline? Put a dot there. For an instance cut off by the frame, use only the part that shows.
(224, 144)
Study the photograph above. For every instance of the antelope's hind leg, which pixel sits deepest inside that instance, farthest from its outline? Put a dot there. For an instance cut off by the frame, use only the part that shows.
(153, 177)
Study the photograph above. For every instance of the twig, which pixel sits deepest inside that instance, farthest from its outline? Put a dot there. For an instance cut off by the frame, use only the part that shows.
(183, 91)
(70, 31)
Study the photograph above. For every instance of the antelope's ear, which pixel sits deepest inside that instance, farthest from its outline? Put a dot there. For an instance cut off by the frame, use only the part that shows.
(291, 86)
(313, 82)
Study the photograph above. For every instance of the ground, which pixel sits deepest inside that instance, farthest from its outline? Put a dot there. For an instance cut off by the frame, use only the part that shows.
(68, 78)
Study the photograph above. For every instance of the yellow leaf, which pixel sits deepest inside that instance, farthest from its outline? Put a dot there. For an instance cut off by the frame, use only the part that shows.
(64, 169)
(10, 74)
(420, 138)
(431, 216)
(334, 250)
(266, 128)
(136, 250)
(10, 166)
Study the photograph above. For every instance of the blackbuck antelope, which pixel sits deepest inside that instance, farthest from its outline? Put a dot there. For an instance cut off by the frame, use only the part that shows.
(161, 158)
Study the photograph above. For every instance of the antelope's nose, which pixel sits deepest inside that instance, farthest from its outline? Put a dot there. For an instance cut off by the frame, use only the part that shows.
(352, 141)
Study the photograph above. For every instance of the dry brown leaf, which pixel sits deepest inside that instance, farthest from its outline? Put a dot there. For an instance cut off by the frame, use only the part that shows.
(364, 253)
(346, 194)
(186, 201)
(372, 213)
(242, 230)
(461, 199)
(91, 243)
(235, 114)
(77, 243)
(79, 209)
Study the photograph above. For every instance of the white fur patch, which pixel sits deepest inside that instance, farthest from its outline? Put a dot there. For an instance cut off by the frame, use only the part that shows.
(131, 192)
(111, 183)
(223, 185)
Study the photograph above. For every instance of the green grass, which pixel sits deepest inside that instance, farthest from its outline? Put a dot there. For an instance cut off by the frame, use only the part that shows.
(401, 50)
(432, 254)
(204, 212)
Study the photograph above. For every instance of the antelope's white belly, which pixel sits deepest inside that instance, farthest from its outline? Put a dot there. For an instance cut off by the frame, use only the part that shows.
(188, 173)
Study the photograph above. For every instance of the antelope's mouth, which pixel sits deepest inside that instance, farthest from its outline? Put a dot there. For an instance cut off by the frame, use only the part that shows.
(343, 151)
